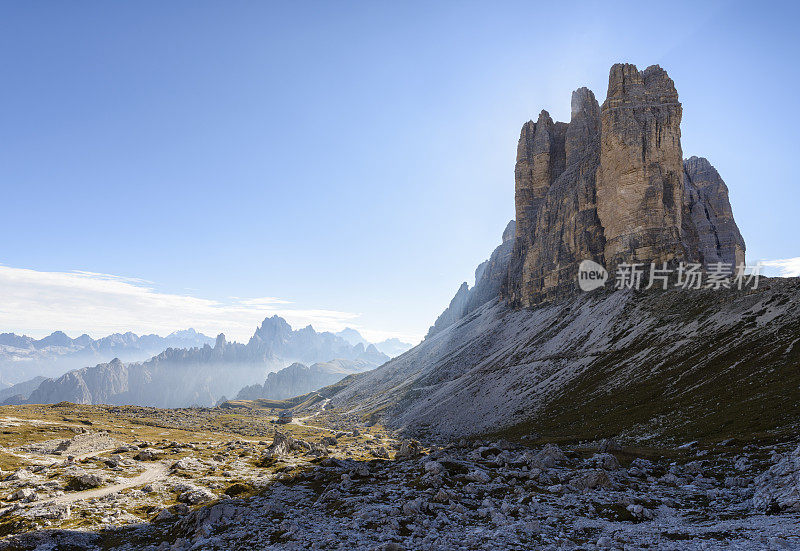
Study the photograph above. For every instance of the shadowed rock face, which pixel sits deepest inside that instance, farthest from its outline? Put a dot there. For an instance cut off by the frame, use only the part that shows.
(541, 157)
(612, 186)
(563, 227)
(708, 209)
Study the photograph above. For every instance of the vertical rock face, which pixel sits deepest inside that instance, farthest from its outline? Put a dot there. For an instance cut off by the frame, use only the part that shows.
(708, 209)
(456, 310)
(640, 180)
(612, 186)
(564, 227)
(541, 157)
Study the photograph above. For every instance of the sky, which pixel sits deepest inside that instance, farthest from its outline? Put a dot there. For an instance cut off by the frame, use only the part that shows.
(206, 164)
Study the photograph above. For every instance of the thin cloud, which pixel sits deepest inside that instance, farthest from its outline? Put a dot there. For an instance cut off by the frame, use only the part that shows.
(36, 303)
(261, 301)
(110, 277)
(786, 267)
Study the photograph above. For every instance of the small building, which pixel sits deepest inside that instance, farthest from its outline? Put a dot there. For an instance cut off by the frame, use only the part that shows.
(285, 416)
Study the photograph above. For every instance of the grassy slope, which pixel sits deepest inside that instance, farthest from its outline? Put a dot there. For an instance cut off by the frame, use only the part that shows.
(711, 365)
(718, 387)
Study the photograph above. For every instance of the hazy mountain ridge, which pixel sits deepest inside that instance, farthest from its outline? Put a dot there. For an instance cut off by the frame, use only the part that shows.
(391, 347)
(180, 377)
(23, 357)
(21, 391)
(298, 379)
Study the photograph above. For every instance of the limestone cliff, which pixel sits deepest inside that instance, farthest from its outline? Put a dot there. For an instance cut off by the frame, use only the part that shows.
(562, 227)
(640, 179)
(612, 186)
(706, 205)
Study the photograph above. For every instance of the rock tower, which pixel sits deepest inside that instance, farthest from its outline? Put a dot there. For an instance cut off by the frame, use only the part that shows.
(612, 186)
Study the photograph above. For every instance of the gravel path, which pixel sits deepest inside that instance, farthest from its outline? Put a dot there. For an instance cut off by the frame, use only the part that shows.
(301, 421)
(153, 472)
(87, 455)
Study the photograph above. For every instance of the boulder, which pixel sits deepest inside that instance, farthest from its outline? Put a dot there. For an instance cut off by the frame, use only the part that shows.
(24, 494)
(593, 479)
(778, 488)
(88, 480)
(409, 449)
(608, 445)
(604, 461)
(548, 457)
(187, 464)
(433, 467)
(20, 474)
(283, 445)
(148, 455)
(640, 512)
(380, 452)
(192, 495)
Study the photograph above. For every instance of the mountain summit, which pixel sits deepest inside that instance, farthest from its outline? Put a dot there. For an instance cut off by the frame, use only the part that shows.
(609, 186)
(612, 186)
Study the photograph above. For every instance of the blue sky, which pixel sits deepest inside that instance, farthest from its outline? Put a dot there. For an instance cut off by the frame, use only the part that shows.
(348, 162)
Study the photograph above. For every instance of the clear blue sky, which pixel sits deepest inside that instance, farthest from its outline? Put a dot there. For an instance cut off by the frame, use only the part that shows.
(355, 157)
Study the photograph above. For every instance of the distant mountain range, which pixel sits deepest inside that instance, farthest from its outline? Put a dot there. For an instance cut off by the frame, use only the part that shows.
(23, 357)
(299, 379)
(21, 391)
(179, 377)
(391, 347)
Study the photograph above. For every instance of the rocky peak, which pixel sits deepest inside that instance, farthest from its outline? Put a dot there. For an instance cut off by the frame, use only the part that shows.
(83, 340)
(272, 329)
(221, 342)
(627, 83)
(707, 214)
(701, 171)
(640, 179)
(612, 186)
(56, 338)
(508, 233)
(584, 126)
(541, 157)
